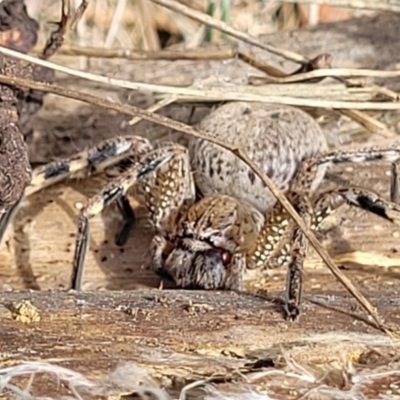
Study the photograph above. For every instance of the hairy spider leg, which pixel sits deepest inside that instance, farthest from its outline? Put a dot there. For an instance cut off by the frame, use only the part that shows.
(168, 193)
(90, 161)
(280, 224)
(355, 196)
(112, 192)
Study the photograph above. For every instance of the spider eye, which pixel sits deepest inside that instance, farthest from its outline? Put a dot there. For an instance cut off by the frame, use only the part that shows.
(226, 258)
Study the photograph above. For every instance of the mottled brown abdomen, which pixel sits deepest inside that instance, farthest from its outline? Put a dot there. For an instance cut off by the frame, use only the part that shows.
(277, 138)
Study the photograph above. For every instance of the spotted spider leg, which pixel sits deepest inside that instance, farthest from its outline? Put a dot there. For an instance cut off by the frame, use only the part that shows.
(355, 196)
(168, 193)
(87, 162)
(299, 195)
(272, 249)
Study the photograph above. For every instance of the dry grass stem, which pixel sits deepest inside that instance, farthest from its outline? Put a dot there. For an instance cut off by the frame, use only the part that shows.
(369, 123)
(331, 72)
(162, 103)
(147, 27)
(178, 126)
(223, 53)
(379, 5)
(115, 23)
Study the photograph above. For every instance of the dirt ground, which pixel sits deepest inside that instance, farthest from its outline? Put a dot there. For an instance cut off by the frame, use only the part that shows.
(180, 337)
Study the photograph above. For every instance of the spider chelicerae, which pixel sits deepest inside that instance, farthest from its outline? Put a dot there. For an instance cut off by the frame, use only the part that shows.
(236, 224)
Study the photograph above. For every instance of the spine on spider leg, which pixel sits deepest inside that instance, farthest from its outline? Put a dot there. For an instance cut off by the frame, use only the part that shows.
(81, 247)
(394, 183)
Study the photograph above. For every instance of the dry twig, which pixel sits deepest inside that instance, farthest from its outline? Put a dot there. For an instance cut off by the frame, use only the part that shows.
(388, 5)
(369, 123)
(334, 72)
(78, 14)
(56, 38)
(223, 53)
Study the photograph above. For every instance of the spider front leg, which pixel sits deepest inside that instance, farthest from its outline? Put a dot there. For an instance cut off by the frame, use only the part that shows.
(114, 191)
(90, 161)
(168, 193)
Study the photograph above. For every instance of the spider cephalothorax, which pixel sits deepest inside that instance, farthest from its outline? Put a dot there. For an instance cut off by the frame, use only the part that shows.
(209, 244)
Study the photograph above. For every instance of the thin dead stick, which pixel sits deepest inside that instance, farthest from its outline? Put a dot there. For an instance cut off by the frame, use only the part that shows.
(155, 107)
(269, 69)
(384, 91)
(388, 5)
(369, 123)
(187, 54)
(224, 27)
(167, 122)
(115, 23)
(224, 53)
(208, 94)
(334, 72)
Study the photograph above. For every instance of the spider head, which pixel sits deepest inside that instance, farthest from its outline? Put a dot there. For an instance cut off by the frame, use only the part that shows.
(210, 244)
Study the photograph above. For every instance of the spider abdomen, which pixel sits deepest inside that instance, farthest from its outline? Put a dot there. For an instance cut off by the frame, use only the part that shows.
(277, 138)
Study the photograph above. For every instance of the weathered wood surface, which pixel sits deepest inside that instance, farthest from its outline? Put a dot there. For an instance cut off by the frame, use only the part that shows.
(181, 336)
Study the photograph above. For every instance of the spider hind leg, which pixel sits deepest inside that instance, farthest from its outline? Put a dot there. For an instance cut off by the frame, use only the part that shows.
(329, 201)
